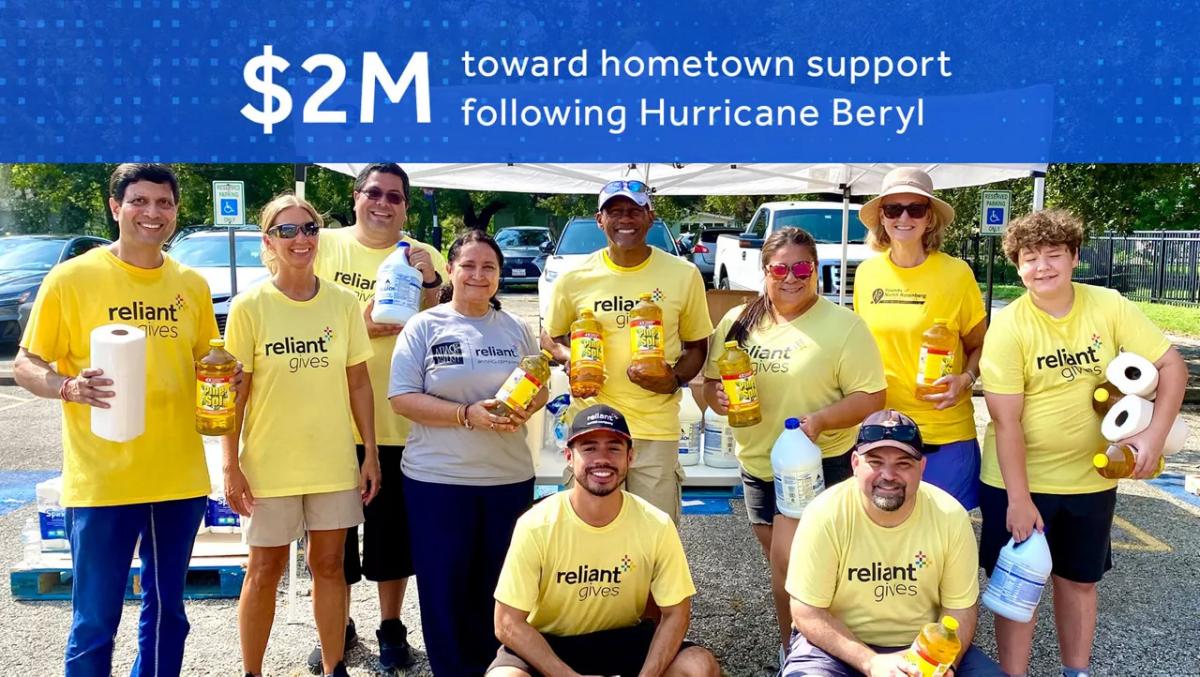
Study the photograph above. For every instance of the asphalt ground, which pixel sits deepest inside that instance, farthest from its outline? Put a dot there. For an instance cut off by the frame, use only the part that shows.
(1149, 619)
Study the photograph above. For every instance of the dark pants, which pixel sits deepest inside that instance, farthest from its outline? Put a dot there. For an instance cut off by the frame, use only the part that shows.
(102, 545)
(459, 536)
(805, 659)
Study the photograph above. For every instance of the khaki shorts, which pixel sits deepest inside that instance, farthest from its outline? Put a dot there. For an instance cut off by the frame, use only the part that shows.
(655, 475)
(280, 520)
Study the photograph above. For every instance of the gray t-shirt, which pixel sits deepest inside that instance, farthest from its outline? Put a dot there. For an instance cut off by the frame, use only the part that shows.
(462, 359)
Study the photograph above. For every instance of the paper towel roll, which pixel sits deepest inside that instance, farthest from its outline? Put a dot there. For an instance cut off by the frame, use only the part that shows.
(120, 351)
(1129, 416)
(1133, 374)
(1176, 437)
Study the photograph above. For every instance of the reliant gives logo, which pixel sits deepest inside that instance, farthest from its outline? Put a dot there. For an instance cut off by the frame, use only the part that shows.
(1070, 364)
(156, 321)
(770, 360)
(302, 353)
(622, 305)
(363, 287)
(596, 581)
(890, 580)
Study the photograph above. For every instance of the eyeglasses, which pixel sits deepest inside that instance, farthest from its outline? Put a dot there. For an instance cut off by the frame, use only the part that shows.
(631, 186)
(393, 197)
(287, 231)
(915, 210)
(801, 270)
(908, 434)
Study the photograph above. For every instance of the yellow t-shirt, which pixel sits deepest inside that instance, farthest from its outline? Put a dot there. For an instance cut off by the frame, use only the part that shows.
(574, 578)
(899, 304)
(345, 261)
(1057, 363)
(802, 366)
(295, 438)
(884, 583)
(611, 291)
(173, 305)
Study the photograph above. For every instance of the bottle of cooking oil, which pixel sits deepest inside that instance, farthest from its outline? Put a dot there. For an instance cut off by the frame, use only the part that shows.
(587, 355)
(216, 413)
(646, 339)
(1104, 397)
(934, 650)
(1118, 460)
(737, 380)
(936, 359)
(525, 382)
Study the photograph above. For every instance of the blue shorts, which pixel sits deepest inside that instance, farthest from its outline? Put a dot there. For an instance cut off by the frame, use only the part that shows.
(954, 468)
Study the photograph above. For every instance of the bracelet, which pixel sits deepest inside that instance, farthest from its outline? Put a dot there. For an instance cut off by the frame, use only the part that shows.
(974, 378)
(458, 414)
(466, 417)
(437, 281)
(62, 389)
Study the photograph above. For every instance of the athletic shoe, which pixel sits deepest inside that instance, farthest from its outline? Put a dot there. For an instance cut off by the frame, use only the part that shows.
(394, 651)
(314, 657)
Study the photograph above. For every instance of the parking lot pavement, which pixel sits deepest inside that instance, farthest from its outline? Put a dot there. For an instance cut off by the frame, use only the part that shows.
(1148, 621)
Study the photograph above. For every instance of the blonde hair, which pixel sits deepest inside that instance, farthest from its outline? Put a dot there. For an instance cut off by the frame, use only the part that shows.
(935, 232)
(271, 211)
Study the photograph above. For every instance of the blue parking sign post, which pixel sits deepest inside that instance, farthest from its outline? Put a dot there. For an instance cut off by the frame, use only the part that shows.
(229, 209)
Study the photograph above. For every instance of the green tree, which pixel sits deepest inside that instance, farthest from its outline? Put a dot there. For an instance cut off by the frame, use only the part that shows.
(62, 198)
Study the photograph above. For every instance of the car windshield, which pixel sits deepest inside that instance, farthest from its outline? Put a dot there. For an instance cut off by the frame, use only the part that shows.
(213, 252)
(513, 237)
(584, 237)
(825, 225)
(21, 253)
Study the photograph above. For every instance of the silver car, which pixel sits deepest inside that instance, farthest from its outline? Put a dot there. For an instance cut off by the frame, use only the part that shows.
(522, 246)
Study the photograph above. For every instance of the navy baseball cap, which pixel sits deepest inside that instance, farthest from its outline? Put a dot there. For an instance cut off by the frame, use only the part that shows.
(599, 417)
(890, 428)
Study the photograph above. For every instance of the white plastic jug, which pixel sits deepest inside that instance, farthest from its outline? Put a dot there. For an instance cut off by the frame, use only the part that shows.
(397, 288)
(718, 441)
(691, 421)
(1019, 578)
(796, 463)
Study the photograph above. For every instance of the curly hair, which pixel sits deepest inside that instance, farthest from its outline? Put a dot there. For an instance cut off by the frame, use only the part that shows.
(935, 232)
(1043, 229)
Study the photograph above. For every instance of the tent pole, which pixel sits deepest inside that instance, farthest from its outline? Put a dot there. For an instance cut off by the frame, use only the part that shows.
(1039, 191)
(845, 242)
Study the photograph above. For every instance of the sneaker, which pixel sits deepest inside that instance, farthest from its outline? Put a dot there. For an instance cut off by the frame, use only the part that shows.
(314, 657)
(339, 670)
(393, 645)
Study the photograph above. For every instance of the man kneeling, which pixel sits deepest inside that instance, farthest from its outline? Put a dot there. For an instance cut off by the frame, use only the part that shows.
(581, 567)
(876, 558)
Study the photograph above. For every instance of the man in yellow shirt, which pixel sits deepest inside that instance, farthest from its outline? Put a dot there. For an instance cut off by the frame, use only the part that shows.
(154, 486)
(581, 567)
(350, 257)
(876, 558)
(1044, 357)
(609, 283)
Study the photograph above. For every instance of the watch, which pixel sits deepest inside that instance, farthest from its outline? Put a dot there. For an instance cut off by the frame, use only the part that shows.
(437, 281)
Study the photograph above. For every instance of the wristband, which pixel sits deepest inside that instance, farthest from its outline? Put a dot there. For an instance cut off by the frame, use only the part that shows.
(62, 389)
(467, 417)
(437, 281)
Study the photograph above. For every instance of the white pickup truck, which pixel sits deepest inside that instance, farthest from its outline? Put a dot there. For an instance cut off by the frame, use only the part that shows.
(739, 257)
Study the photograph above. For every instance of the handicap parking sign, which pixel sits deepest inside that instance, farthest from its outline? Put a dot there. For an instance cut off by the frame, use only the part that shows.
(994, 211)
(995, 215)
(229, 200)
(228, 207)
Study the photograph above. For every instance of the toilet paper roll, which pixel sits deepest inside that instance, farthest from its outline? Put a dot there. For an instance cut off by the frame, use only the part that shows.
(1176, 437)
(1133, 374)
(1129, 416)
(120, 351)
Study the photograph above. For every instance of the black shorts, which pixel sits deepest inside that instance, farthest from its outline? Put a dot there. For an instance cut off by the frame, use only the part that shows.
(760, 494)
(386, 554)
(1078, 529)
(608, 652)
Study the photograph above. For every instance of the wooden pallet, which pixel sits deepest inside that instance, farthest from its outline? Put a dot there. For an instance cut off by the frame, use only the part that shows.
(49, 578)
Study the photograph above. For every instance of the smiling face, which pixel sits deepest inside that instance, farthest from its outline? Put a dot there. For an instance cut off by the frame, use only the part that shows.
(904, 230)
(888, 476)
(625, 223)
(791, 292)
(600, 461)
(146, 215)
(1046, 270)
(380, 216)
(475, 273)
(298, 252)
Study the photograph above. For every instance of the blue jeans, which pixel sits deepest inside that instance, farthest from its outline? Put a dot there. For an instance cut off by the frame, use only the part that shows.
(102, 545)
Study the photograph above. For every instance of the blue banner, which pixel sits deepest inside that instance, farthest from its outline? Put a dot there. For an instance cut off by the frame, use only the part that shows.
(598, 81)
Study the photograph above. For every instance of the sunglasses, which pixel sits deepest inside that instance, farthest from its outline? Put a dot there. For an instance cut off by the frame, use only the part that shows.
(801, 270)
(288, 231)
(375, 195)
(631, 186)
(915, 210)
(908, 434)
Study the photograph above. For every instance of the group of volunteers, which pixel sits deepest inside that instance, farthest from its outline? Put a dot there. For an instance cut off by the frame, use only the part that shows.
(343, 422)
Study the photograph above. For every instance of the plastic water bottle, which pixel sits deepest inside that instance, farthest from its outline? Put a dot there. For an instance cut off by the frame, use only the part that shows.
(397, 289)
(555, 423)
(52, 524)
(718, 441)
(219, 518)
(1019, 578)
(690, 425)
(796, 463)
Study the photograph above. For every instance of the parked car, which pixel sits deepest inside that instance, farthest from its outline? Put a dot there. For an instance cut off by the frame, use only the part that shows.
(207, 252)
(521, 247)
(703, 249)
(738, 262)
(580, 237)
(24, 262)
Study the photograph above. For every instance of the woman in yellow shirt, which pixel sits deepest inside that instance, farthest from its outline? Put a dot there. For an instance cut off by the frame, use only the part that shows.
(901, 294)
(291, 466)
(813, 360)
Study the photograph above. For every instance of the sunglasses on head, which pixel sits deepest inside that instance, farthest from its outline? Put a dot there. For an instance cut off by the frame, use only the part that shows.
(375, 195)
(631, 186)
(801, 270)
(916, 210)
(288, 231)
(908, 434)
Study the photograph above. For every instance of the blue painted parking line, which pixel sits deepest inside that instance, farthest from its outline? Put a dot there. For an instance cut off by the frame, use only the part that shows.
(17, 487)
(1173, 484)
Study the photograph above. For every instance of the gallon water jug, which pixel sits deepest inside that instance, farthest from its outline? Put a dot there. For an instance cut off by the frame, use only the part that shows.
(397, 288)
(1019, 578)
(796, 463)
(690, 425)
(718, 441)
